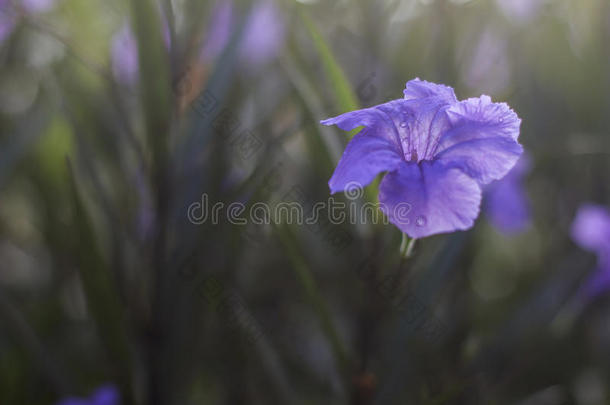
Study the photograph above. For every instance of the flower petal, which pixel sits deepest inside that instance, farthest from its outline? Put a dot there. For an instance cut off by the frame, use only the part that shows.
(482, 140)
(591, 229)
(124, 52)
(597, 283)
(263, 34)
(106, 395)
(413, 125)
(419, 123)
(507, 204)
(429, 198)
(507, 207)
(364, 158)
(378, 121)
(417, 89)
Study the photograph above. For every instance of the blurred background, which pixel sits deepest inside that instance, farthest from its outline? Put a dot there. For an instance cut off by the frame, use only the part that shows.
(122, 120)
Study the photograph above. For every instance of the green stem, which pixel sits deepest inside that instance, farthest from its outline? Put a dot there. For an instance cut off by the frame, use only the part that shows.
(406, 246)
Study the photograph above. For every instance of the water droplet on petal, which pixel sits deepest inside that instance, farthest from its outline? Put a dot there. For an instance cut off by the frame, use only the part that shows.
(421, 221)
(403, 124)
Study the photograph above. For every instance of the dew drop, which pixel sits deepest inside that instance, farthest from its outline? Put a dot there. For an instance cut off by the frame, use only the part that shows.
(403, 124)
(421, 221)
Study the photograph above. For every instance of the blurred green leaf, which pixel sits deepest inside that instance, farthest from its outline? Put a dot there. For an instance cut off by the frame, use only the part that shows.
(344, 94)
(26, 133)
(312, 294)
(155, 77)
(102, 297)
(54, 146)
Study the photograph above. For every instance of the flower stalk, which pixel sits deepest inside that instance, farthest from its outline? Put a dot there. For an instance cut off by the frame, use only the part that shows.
(407, 246)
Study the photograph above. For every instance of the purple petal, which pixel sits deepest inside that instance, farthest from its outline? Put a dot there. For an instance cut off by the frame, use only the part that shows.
(367, 117)
(420, 124)
(378, 121)
(165, 32)
(414, 125)
(507, 204)
(124, 54)
(598, 283)
(429, 198)
(364, 158)
(482, 140)
(106, 395)
(421, 118)
(591, 229)
(264, 33)
(417, 89)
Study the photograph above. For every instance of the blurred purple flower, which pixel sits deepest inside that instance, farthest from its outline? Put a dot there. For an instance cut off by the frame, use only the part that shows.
(520, 10)
(7, 19)
(8, 15)
(105, 395)
(124, 55)
(507, 205)
(219, 33)
(488, 64)
(38, 6)
(438, 152)
(262, 37)
(591, 231)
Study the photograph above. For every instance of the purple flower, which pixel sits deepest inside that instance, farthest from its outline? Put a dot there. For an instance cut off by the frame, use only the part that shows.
(105, 395)
(488, 64)
(7, 19)
(262, 37)
(591, 231)
(507, 205)
(437, 152)
(520, 10)
(38, 6)
(219, 34)
(124, 52)
(124, 55)
(8, 15)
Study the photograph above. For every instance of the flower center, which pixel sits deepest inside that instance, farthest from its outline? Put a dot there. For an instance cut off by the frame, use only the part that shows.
(414, 157)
